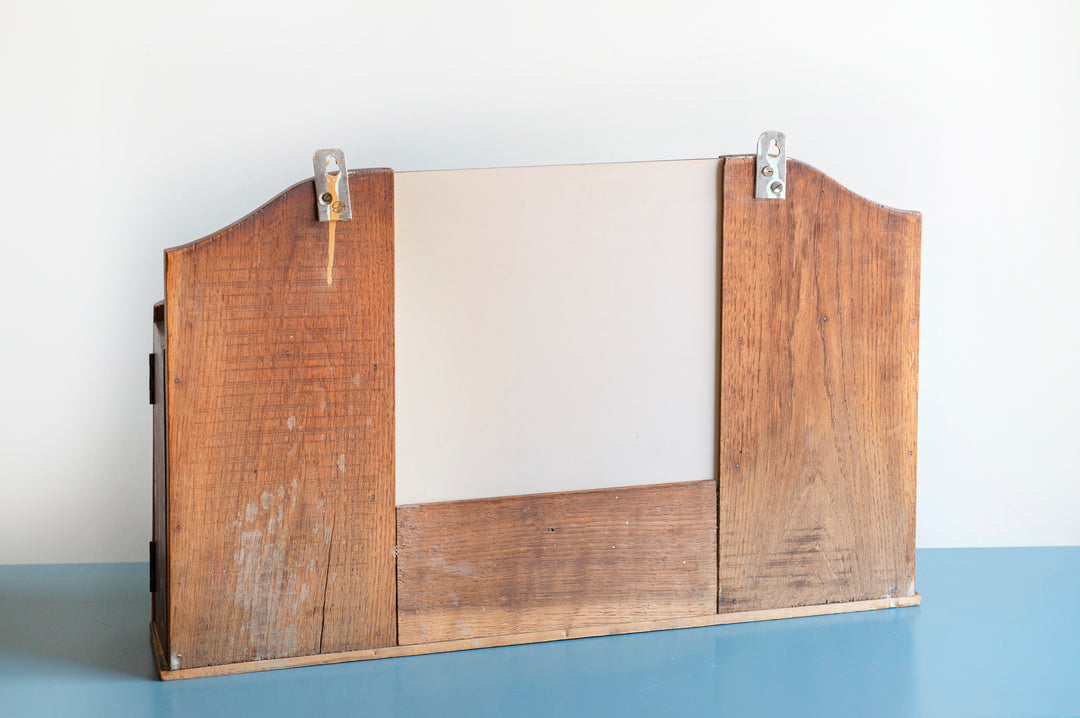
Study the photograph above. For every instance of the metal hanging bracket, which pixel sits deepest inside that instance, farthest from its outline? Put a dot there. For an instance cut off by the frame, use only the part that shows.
(771, 171)
(332, 186)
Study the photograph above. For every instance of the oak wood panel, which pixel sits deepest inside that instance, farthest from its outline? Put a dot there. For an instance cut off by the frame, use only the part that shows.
(462, 644)
(818, 394)
(160, 496)
(539, 562)
(281, 432)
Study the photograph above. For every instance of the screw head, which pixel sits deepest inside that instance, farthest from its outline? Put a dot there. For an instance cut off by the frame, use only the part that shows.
(777, 187)
(326, 197)
(338, 207)
(766, 171)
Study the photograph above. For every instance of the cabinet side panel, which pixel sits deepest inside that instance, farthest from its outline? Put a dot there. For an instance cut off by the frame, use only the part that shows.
(159, 603)
(818, 394)
(281, 432)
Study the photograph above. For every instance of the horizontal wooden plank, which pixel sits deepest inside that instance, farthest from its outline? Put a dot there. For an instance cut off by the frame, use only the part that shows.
(518, 564)
(536, 637)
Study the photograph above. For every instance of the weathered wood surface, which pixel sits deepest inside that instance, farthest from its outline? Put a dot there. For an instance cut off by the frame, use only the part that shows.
(818, 395)
(540, 562)
(417, 649)
(281, 432)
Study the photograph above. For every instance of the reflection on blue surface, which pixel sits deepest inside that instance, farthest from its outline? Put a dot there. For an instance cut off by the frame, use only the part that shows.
(998, 633)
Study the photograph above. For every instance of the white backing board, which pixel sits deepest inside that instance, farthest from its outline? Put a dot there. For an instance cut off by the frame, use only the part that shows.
(556, 328)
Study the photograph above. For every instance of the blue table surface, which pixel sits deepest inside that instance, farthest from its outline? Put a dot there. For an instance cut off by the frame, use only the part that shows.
(997, 634)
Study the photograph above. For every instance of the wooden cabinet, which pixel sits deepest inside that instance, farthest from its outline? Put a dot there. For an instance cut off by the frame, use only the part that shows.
(277, 539)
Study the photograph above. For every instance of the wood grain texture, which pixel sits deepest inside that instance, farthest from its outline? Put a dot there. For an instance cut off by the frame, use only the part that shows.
(540, 562)
(160, 497)
(281, 432)
(463, 644)
(818, 395)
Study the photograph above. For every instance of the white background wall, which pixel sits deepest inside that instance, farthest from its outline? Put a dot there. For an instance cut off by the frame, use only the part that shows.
(129, 127)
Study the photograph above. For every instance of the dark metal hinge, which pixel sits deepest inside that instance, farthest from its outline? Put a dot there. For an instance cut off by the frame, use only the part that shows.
(153, 565)
(152, 362)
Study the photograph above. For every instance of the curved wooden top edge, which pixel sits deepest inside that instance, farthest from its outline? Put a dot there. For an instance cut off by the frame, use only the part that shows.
(862, 198)
(279, 197)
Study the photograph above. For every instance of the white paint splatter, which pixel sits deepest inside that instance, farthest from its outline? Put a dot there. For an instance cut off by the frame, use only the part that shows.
(286, 640)
(292, 423)
(441, 564)
(271, 605)
(252, 512)
(266, 497)
(341, 463)
(248, 541)
(356, 380)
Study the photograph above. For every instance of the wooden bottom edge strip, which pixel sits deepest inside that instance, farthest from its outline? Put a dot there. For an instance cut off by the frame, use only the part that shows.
(159, 655)
(521, 638)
